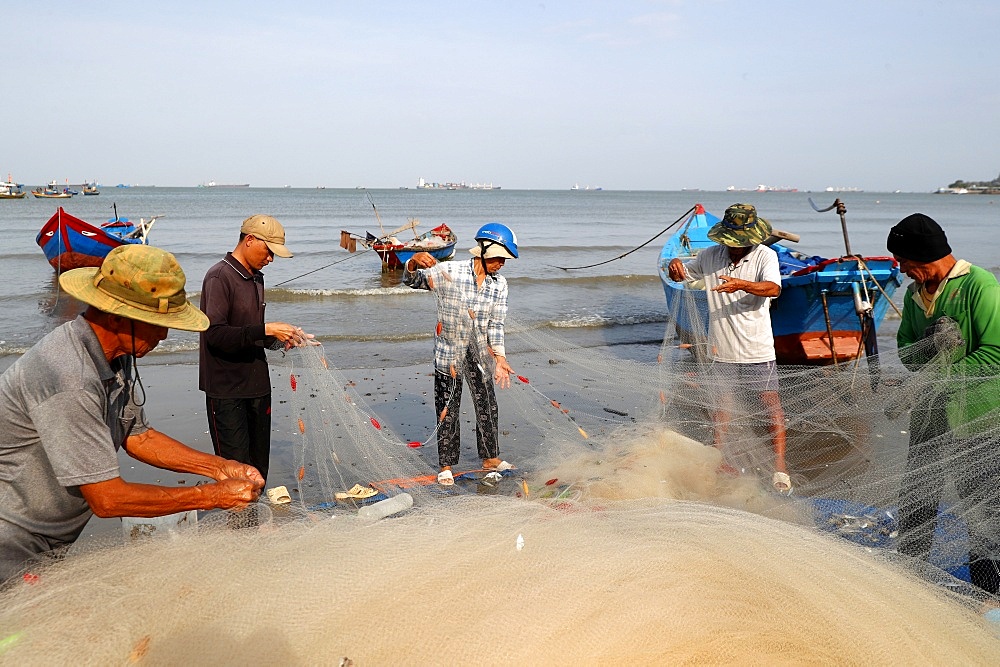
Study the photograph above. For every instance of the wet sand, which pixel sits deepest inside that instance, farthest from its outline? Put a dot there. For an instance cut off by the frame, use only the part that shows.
(401, 397)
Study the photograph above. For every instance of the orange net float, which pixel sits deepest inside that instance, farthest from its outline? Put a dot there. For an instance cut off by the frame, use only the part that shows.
(302, 426)
(291, 380)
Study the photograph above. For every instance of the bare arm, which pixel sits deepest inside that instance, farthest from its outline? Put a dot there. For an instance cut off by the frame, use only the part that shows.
(237, 484)
(116, 497)
(762, 288)
(421, 260)
(160, 450)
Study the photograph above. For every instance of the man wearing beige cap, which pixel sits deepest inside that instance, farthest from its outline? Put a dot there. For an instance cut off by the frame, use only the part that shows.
(233, 369)
(70, 402)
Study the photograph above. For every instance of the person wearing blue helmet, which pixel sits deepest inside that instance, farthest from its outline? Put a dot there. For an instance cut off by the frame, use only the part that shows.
(469, 340)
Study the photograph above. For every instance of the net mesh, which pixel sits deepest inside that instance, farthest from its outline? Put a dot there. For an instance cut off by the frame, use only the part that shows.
(632, 529)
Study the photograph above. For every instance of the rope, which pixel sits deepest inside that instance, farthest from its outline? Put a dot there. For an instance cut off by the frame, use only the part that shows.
(668, 227)
(864, 266)
(285, 282)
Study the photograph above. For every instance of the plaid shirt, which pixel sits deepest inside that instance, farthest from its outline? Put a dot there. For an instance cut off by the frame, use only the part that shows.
(469, 315)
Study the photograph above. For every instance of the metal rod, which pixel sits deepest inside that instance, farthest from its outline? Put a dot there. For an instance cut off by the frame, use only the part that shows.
(829, 327)
(841, 211)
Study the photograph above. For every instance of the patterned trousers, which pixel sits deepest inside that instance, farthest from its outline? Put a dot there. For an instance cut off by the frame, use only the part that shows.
(448, 393)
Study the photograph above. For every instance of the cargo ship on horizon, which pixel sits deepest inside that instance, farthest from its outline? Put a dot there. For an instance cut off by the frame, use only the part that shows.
(213, 184)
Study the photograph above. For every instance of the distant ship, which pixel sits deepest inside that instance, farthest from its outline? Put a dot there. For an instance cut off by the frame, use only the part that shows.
(213, 184)
(426, 185)
(762, 188)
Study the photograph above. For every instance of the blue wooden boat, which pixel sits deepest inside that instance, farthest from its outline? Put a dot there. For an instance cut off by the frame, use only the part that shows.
(70, 243)
(438, 242)
(829, 308)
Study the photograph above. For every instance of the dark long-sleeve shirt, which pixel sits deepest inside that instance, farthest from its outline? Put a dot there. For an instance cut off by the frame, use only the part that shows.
(232, 359)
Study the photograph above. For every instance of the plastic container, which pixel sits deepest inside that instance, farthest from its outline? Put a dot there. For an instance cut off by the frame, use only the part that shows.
(383, 508)
(136, 528)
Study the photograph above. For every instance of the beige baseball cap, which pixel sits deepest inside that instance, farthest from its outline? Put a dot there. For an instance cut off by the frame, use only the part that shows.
(268, 230)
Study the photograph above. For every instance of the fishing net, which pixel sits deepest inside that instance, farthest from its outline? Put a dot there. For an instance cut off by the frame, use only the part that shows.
(631, 530)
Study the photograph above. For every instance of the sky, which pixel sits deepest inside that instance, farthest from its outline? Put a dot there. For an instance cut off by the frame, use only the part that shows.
(623, 95)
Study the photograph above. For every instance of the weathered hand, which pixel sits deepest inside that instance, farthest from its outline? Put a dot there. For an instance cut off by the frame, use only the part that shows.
(729, 285)
(502, 372)
(230, 469)
(300, 338)
(234, 492)
(945, 334)
(675, 270)
(423, 260)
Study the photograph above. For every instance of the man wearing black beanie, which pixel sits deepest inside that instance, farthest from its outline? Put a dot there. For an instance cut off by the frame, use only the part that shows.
(950, 328)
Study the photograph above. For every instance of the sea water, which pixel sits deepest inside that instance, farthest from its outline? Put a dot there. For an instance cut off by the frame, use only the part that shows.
(367, 318)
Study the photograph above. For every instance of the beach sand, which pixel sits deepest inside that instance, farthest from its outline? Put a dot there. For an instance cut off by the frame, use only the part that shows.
(401, 398)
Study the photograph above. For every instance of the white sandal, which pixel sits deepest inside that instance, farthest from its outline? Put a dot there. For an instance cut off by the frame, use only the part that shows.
(445, 478)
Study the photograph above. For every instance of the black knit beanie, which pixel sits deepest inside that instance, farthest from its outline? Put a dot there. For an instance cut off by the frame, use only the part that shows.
(919, 239)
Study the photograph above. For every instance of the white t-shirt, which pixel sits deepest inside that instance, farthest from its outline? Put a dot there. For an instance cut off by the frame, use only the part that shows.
(739, 323)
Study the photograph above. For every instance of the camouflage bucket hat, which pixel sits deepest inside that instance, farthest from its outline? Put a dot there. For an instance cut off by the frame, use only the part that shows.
(740, 227)
(139, 282)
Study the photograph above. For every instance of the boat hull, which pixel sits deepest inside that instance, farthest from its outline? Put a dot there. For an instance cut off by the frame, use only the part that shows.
(71, 243)
(394, 256)
(816, 318)
(395, 259)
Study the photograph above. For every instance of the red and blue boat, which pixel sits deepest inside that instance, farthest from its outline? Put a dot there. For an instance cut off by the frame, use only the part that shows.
(438, 242)
(829, 308)
(71, 243)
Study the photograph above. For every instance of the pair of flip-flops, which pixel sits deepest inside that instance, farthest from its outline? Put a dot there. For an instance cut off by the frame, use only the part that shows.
(356, 492)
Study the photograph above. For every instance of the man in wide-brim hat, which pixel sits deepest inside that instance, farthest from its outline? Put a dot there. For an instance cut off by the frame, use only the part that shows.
(741, 277)
(70, 402)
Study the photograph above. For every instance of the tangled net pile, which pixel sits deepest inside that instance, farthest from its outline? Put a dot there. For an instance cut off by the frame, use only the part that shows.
(621, 536)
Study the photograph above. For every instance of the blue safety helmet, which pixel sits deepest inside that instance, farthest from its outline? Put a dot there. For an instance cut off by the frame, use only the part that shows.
(494, 238)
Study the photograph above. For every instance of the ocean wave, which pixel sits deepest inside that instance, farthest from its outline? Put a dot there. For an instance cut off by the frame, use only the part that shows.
(284, 294)
(592, 321)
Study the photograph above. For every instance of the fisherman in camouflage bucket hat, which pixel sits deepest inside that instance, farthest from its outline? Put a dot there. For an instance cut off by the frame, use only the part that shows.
(141, 283)
(741, 276)
(74, 399)
(740, 227)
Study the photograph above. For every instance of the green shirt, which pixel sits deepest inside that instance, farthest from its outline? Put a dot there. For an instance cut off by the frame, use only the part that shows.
(970, 296)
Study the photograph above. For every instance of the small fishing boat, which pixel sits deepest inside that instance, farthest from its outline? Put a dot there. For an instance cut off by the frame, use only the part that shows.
(91, 189)
(828, 310)
(70, 243)
(438, 242)
(11, 190)
(52, 191)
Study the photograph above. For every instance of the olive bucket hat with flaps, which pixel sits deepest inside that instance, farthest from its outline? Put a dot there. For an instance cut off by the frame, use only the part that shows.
(740, 227)
(139, 282)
